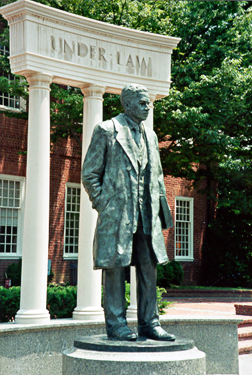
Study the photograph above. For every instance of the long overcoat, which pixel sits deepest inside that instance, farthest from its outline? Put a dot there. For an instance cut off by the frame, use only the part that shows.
(110, 177)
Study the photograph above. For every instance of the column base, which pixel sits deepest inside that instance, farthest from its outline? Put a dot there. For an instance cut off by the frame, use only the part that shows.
(88, 313)
(132, 312)
(32, 317)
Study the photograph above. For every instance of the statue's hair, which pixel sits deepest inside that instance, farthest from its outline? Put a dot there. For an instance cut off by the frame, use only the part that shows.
(129, 91)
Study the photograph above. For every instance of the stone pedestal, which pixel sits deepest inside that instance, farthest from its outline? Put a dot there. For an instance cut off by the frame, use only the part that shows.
(98, 355)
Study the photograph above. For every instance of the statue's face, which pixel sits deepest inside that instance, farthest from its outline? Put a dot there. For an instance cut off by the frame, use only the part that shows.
(138, 107)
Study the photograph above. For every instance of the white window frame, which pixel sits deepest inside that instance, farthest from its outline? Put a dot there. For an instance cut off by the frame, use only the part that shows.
(188, 257)
(20, 230)
(72, 256)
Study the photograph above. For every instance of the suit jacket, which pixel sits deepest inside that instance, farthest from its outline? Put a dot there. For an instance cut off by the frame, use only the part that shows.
(109, 176)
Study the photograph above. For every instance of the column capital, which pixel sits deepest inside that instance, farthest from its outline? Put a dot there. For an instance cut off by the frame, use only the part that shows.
(152, 97)
(39, 80)
(93, 91)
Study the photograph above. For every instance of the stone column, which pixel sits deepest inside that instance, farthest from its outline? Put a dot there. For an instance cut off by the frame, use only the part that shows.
(89, 281)
(150, 119)
(36, 221)
(132, 309)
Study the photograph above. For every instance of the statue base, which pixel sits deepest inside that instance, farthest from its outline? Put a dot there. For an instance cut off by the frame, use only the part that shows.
(99, 355)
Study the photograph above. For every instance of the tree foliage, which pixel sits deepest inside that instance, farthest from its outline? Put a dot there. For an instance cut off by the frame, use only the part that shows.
(18, 86)
(228, 249)
(209, 107)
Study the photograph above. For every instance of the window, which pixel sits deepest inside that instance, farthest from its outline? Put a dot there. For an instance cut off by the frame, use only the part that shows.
(72, 215)
(11, 215)
(6, 99)
(184, 229)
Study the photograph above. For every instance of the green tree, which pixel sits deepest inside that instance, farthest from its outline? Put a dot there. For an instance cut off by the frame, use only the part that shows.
(209, 107)
(17, 86)
(228, 249)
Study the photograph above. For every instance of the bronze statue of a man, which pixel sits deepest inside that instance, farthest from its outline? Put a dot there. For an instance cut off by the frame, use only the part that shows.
(123, 177)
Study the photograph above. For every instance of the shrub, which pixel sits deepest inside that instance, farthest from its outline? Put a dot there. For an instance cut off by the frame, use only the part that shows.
(169, 274)
(61, 301)
(178, 272)
(14, 272)
(162, 304)
(9, 303)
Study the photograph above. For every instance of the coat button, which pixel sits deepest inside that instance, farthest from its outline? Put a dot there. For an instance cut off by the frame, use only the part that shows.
(128, 222)
(128, 168)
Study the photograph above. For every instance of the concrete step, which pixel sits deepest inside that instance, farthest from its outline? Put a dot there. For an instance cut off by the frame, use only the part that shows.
(243, 309)
(247, 322)
(244, 333)
(245, 346)
(209, 293)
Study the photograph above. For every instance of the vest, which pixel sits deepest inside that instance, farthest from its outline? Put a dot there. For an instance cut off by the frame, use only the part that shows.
(140, 205)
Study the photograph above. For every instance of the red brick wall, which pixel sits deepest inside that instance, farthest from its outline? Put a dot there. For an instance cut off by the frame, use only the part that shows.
(179, 187)
(13, 133)
(65, 167)
(13, 145)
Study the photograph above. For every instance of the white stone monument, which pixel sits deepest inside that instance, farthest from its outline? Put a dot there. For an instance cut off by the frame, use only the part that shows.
(48, 45)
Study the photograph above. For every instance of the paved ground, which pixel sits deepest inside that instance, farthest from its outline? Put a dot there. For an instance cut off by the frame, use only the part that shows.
(203, 306)
(245, 364)
(211, 306)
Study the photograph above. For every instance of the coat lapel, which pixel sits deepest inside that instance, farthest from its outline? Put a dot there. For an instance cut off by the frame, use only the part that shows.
(152, 153)
(151, 147)
(125, 139)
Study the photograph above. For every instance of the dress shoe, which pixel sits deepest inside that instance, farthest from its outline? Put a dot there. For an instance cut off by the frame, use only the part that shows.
(123, 334)
(155, 333)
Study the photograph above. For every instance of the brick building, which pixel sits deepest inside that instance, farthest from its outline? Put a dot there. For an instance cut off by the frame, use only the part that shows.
(190, 220)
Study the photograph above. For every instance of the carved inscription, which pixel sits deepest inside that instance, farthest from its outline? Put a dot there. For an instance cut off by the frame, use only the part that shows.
(132, 63)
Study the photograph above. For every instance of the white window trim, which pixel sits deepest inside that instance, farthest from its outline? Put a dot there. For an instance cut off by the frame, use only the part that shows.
(4, 108)
(65, 255)
(20, 232)
(190, 257)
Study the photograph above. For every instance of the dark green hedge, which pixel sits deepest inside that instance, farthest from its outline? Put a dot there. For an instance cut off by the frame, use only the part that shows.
(9, 303)
(61, 301)
(169, 274)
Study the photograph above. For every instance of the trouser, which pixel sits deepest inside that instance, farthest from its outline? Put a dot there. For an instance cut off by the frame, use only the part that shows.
(144, 259)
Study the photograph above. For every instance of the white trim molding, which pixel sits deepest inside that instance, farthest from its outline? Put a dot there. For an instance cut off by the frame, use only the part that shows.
(71, 231)
(13, 199)
(183, 229)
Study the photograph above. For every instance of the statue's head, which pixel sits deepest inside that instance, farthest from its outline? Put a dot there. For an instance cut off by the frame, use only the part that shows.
(135, 101)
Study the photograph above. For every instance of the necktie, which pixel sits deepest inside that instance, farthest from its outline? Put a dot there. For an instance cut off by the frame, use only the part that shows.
(138, 134)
